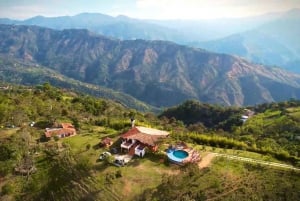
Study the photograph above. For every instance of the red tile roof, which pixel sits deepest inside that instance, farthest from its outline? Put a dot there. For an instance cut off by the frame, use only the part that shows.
(67, 129)
(107, 141)
(67, 125)
(145, 135)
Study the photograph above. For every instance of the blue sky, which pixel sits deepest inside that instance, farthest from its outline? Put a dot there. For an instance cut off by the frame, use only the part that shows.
(146, 9)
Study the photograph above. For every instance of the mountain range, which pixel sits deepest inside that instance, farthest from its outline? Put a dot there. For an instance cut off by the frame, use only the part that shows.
(270, 39)
(159, 73)
(275, 43)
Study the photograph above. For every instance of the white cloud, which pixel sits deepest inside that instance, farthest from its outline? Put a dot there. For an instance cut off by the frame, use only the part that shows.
(151, 9)
(22, 11)
(213, 8)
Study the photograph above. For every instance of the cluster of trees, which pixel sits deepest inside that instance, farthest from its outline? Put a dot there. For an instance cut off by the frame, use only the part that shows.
(45, 104)
(213, 140)
(276, 105)
(211, 116)
(16, 151)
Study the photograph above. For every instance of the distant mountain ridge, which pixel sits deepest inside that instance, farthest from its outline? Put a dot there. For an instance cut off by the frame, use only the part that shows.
(120, 27)
(275, 43)
(270, 39)
(157, 72)
(123, 27)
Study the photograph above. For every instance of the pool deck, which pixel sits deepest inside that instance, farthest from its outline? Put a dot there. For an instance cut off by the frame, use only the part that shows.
(193, 156)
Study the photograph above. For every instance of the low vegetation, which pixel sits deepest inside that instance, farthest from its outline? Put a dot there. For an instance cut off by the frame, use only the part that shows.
(227, 180)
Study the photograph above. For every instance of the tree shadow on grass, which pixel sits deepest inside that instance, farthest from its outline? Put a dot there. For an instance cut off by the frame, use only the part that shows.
(158, 158)
(101, 165)
(96, 146)
(134, 162)
(91, 196)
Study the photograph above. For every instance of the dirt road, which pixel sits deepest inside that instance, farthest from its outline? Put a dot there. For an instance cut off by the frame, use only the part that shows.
(206, 160)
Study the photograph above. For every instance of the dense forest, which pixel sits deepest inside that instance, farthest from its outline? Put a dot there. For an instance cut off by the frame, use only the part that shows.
(68, 169)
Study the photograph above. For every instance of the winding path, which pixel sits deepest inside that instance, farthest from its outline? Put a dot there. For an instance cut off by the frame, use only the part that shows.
(208, 158)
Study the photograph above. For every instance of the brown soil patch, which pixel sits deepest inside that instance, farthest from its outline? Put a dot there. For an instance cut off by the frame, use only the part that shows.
(170, 171)
(206, 160)
(127, 188)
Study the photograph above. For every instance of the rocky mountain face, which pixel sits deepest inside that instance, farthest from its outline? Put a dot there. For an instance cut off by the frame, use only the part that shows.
(156, 72)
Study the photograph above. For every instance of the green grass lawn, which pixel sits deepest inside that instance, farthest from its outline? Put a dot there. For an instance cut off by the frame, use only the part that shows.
(138, 175)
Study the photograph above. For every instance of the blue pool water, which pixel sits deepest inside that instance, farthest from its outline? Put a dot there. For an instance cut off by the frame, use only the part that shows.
(177, 156)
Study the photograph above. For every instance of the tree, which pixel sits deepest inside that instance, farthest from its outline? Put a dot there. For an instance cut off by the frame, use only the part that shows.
(5, 152)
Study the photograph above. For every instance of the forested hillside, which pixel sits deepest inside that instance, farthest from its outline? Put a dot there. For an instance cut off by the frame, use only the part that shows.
(47, 104)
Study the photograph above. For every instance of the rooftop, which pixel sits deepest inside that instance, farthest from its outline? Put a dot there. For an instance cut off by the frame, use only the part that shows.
(149, 136)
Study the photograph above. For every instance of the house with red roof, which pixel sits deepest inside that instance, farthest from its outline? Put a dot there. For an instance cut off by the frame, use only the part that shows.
(106, 142)
(138, 138)
(61, 131)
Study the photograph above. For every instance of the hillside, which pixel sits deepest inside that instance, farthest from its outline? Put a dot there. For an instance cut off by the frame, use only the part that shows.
(18, 72)
(274, 128)
(69, 168)
(156, 72)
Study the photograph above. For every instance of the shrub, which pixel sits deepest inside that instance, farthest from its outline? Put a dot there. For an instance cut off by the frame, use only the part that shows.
(5, 153)
(56, 138)
(118, 173)
(7, 189)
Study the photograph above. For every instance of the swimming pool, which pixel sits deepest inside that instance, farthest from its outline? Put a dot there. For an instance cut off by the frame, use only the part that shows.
(177, 156)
